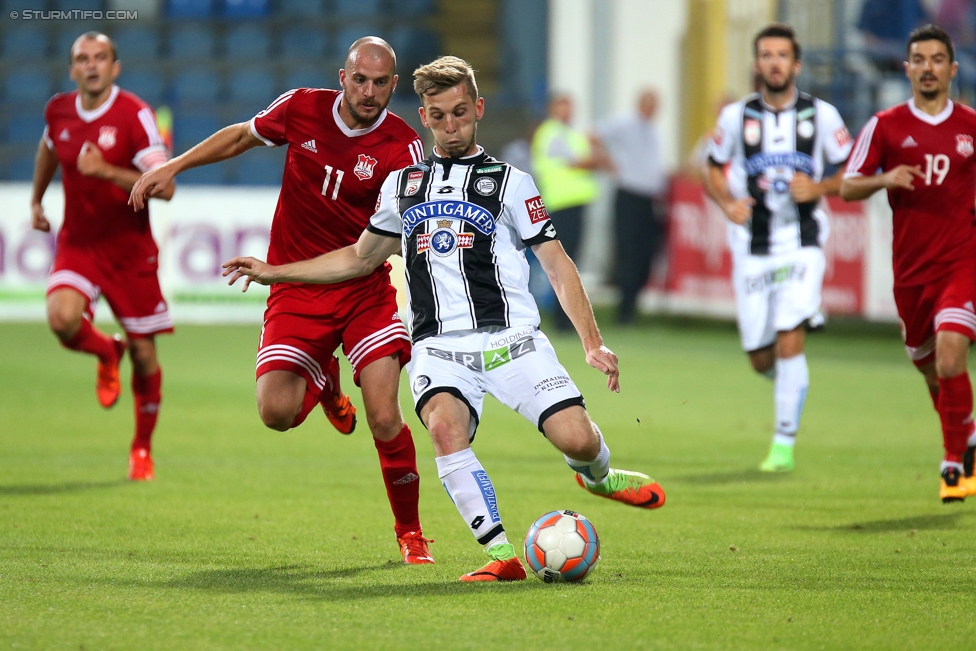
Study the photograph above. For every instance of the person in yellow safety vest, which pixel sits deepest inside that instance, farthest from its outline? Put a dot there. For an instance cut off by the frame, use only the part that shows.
(563, 161)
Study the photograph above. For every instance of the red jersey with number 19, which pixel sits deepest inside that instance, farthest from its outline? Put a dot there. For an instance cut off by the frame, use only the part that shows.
(332, 176)
(935, 223)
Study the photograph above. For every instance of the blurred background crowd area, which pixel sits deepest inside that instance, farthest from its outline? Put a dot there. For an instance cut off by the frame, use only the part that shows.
(204, 64)
(208, 63)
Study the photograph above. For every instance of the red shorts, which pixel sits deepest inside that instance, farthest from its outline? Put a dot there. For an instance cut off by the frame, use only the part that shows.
(304, 326)
(133, 294)
(947, 304)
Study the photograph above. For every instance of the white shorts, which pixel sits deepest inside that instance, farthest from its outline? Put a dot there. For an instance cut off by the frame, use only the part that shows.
(776, 293)
(518, 366)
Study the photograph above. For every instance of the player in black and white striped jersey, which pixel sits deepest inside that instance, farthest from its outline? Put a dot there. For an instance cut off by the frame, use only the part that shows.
(462, 221)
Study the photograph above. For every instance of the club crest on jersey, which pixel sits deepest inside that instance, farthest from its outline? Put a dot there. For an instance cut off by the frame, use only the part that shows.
(106, 137)
(443, 241)
(414, 179)
(477, 216)
(964, 145)
(751, 132)
(364, 167)
(485, 186)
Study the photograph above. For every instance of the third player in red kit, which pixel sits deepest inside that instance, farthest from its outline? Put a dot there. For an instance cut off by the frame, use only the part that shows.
(924, 150)
(341, 146)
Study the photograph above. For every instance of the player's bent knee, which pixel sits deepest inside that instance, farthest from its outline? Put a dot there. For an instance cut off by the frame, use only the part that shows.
(385, 424)
(63, 321)
(277, 414)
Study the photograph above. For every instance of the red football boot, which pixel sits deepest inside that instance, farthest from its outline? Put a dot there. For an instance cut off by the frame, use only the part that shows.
(414, 548)
(140, 465)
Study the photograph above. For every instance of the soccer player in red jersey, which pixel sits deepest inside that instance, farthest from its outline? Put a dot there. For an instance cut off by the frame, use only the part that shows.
(104, 138)
(342, 145)
(922, 153)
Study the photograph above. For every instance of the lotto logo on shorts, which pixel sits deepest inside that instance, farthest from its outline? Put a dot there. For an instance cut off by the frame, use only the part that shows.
(537, 210)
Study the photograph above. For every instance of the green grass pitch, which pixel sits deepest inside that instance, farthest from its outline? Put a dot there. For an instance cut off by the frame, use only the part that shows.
(253, 539)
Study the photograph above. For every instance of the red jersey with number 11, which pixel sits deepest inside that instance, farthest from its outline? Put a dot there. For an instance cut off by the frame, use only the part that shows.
(934, 224)
(332, 177)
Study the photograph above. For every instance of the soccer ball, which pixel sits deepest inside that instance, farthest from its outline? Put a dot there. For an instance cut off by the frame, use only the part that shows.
(562, 546)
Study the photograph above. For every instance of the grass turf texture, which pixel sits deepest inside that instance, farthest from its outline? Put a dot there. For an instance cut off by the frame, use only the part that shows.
(250, 538)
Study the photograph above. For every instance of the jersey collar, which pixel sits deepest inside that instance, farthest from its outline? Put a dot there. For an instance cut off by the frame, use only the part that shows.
(474, 159)
(789, 106)
(91, 116)
(353, 133)
(934, 120)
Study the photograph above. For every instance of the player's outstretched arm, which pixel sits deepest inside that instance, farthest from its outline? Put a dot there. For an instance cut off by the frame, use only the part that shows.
(336, 266)
(566, 282)
(856, 188)
(228, 142)
(45, 165)
(738, 211)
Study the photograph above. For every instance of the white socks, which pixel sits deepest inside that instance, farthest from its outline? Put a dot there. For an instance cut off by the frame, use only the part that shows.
(469, 487)
(593, 472)
(790, 391)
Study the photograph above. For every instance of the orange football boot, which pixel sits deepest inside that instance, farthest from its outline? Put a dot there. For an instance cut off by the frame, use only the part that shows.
(340, 412)
(107, 385)
(952, 488)
(504, 566)
(414, 548)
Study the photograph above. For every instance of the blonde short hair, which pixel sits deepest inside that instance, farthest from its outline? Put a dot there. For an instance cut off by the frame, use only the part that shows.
(444, 73)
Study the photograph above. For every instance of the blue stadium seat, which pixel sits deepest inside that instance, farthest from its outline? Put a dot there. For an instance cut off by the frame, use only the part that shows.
(28, 85)
(312, 77)
(357, 7)
(188, 8)
(349, 34)
(20, 168)
(191, 42)
(84, 5)
(246, 8)
(196, 85)
(414, 46)
(412, 7)
(303, 42)
(137, 44)
(147, 84)
(189, 129)
(257, 86)
(206, 175)
(25, 129)
(259, 168)
(300, 7)
(247, 42)
(21, 43)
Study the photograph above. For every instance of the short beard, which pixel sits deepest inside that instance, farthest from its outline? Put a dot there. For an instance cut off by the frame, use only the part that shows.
(929, 94)
(778, 89)
(360, 119)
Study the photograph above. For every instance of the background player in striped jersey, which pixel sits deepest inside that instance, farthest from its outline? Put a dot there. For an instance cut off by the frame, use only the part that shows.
(924, 150)
(462, 221)
(104, 138)
(776, 145)
(341, 147)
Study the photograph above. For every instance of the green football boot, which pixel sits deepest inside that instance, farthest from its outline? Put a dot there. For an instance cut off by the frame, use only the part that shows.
(780, 459)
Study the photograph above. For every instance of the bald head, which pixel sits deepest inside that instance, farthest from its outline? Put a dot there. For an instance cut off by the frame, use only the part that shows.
(93, 36)
(371, 48)
(647, 104)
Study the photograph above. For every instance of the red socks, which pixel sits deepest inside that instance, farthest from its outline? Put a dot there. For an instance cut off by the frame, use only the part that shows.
(955, 410)
(90, 339)
(398, 461)
(147, 394)
(308, 403)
